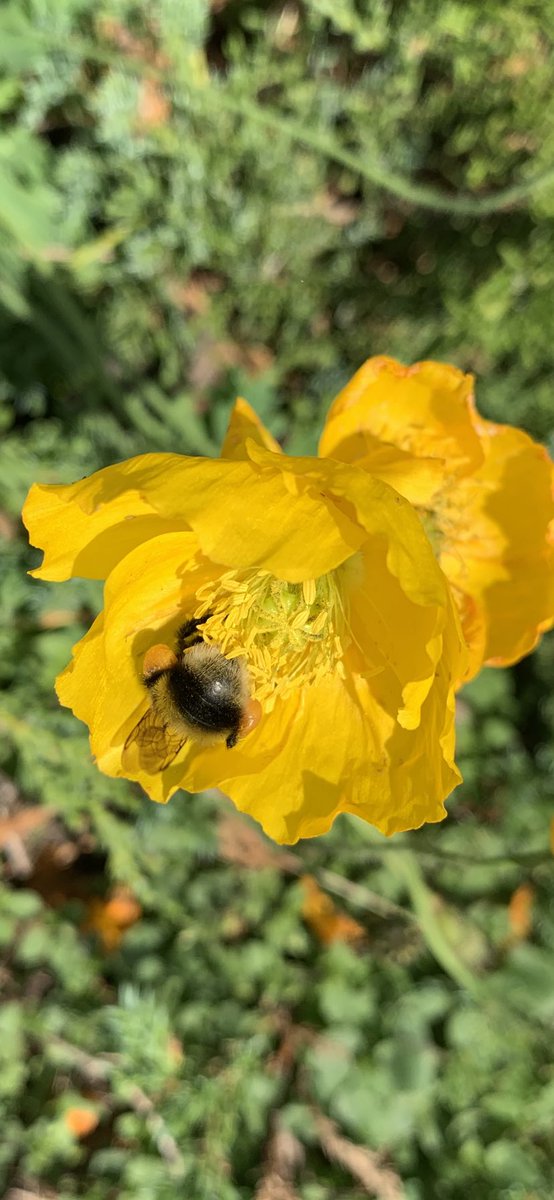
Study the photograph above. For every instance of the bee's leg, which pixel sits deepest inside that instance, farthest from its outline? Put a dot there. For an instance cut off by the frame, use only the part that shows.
(151, 679)
(188, 634)
(232, 739)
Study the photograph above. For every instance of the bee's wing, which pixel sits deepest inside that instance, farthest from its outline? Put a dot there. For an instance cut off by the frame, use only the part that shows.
(157, 744)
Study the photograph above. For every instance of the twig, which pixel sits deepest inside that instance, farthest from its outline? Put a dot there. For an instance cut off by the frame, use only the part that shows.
(95, 1068)
(527, 858)
(377, 173)
(364, 1165)
(9, 794)
(22, 1194)
(285, 1157)
(361, 896)
(241, 844)
(163, 1139)
(16, 853)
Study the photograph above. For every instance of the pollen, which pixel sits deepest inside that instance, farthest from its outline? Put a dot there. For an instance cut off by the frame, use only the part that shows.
(291, 634)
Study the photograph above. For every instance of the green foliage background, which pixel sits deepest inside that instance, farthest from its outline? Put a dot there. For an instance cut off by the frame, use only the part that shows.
(327, 180)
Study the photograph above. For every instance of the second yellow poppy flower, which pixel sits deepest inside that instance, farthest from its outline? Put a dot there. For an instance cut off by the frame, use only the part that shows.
(483, 493)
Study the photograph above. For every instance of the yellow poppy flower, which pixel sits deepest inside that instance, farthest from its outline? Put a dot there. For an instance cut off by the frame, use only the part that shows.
(317, 577)
(483, 492)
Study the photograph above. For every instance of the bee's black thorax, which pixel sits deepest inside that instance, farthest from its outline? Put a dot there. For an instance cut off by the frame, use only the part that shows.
(202, 692)
(206, 701)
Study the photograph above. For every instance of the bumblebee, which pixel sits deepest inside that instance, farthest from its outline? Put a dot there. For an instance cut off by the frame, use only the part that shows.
(195, 694)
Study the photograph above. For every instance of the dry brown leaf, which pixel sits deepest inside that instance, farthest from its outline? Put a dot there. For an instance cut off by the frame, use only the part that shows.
(340, 212)
(10, 795)
(153, 106)
(520, 141)
(54, 254)
(330, 207)
(210, 362)
(364, 1165)
(325, 920)
(293, 1039)
(256, 358)
(394, 224)
(134, 47)
(213, 359)
(518, 65)
(22, 823)
(285, 1157)
(190, 297)
(418, 46)
(175, 1050)
(384, 270)
(193, 295)
(23, 1194)
(8, 527)
(58, 874)
(58, 618)
(242, 845)
(272, 1187)
(19, 863)
(286, 27)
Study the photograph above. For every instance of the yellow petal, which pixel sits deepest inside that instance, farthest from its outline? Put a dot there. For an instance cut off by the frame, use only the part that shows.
(548, 620)
(418, 479)
(384, 513)
(389, 628)
(245, 423)
(398, 595)
(242, 513)
(83, 533)
(425, 410)
(82, 685)
(498, 549)
(394, 778)
(474, 630)
(289, 516)
(147, 596)
(371, 507)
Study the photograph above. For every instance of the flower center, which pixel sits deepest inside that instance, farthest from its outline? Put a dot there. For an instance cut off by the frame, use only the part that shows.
(291, 634)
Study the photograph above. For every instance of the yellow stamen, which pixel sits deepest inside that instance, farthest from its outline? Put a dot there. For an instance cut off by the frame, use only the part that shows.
(291, 634)
(309, 590)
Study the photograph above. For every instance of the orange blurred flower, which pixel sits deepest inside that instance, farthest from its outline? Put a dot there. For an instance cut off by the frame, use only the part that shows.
(110, 918)
(323, 917)
(483, 492)
(520, 912)
(81, 1121)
